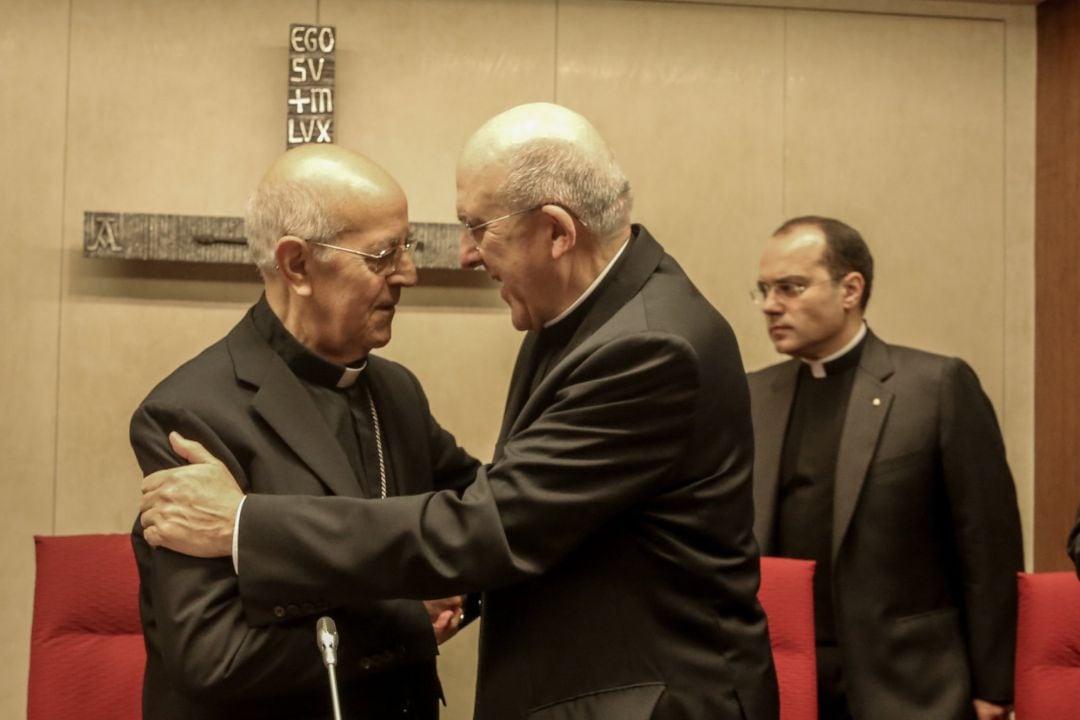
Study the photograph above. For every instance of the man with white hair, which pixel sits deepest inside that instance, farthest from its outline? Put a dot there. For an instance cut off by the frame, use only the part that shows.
(292, 401)
(612, 529)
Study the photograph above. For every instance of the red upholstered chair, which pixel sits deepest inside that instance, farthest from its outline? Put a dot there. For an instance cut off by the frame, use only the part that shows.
(1048, 646)
(787, 594)
(86, 644)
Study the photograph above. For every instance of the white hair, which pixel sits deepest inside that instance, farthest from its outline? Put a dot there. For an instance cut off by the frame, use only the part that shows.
(278, 208)
(552, 170)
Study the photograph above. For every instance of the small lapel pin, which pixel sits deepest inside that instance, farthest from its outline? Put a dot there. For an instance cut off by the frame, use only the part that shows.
(877, 401)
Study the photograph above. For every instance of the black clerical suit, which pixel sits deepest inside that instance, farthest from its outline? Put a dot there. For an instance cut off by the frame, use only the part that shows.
(612, 529)
(924, 540)
(269, 410)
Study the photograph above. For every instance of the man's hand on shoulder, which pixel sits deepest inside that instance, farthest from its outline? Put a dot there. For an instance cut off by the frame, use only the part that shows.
(191, 508)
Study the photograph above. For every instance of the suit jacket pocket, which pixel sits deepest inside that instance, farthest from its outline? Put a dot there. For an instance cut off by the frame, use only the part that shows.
(632, 702)
(926, 667)
(906, 462)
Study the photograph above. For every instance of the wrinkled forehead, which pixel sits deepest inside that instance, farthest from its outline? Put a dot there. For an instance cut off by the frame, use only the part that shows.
(479, 180)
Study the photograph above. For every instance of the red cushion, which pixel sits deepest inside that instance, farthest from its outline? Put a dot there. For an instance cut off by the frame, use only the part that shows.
(787, 594)
(86, 646)
(1048, 646)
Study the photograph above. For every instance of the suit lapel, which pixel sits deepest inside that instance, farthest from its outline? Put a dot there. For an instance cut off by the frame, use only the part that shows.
(867, 409)
(625, 280)
(520, 381)
(771, 407)
(284, 404)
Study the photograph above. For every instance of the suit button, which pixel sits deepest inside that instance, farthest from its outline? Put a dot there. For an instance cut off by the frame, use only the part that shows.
(279, 612)
(365, 663)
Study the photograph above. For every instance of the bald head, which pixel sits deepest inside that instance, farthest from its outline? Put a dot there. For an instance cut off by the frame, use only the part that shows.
(545, 153)
(314, 192)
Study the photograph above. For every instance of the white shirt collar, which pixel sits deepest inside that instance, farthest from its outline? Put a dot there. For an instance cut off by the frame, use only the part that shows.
(351, 375)
(589, 290)
(817, 367)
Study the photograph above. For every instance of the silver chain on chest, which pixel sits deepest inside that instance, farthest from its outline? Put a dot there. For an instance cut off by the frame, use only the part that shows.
(378, 443)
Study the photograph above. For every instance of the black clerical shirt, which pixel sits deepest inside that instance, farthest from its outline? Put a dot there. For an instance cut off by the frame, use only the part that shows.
(341, 393)
(808, 474)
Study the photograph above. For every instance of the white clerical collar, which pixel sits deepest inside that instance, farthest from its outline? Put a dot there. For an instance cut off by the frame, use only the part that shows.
(350, 375)
(589, 290)
(817, 367)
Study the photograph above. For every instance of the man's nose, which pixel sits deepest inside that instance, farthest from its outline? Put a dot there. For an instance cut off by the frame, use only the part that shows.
(468, 252)
(769, 304)
(404, 271)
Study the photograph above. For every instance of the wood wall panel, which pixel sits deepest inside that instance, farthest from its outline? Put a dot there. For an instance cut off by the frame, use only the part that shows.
(33, 74)
(1057, 388)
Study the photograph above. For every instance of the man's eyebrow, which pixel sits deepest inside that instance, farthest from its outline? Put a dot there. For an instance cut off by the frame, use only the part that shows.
(786, 279)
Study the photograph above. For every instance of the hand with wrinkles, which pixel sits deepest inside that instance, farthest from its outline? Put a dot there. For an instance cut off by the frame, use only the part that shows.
(191, 508)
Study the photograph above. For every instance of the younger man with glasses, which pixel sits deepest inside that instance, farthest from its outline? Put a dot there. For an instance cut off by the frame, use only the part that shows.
(292, 401)
(886, 466)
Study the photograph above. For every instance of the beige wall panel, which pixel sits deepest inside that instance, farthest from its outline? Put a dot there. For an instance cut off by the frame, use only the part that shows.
(691, 99)
(464, 361)
(895, 124)
(1018, 410)
(417, 77)
(175, 107)
(33, 72)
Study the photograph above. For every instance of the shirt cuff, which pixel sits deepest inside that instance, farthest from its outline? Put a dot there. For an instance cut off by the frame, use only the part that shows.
(236, 538)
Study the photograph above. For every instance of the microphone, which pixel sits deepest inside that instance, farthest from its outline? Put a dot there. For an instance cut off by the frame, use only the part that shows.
(326, 637)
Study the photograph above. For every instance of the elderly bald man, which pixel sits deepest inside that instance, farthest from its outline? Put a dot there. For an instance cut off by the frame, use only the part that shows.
(612, 530)
(292, 401)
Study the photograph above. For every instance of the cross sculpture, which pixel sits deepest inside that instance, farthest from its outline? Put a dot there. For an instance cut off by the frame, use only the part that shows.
(211, 239)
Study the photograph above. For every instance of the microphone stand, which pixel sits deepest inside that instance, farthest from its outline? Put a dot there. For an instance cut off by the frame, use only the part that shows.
(326, 636)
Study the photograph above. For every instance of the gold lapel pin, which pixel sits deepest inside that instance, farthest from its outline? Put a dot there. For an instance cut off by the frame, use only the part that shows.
(877, 401)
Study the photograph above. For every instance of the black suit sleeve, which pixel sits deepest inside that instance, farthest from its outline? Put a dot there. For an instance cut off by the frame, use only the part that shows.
(986, 520)
(192, 606)
(613, 435)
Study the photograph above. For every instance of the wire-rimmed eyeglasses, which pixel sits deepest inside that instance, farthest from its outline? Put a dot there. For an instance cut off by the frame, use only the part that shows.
(382, 263)
(472, 230)
(785, 290)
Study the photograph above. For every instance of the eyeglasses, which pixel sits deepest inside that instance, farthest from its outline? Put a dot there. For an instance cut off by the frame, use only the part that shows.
(472, 229)
(786, 290)
(382, 263)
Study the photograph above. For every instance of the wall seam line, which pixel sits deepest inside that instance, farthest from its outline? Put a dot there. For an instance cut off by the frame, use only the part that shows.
(63, 272)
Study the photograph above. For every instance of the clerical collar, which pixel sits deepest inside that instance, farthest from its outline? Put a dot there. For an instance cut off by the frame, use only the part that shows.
(304, 363)
(591, 289)
(840, 360)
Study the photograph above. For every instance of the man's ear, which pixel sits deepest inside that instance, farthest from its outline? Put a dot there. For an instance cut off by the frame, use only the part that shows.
(293, 259)
(563, 230)
(853, 285)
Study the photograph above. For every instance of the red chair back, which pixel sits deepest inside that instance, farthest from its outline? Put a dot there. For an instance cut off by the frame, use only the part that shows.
(787, 594)
(86, 645)
(1048, 646)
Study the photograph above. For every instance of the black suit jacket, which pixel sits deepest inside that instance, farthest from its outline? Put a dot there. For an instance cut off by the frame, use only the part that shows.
(926, 537)
(205, 658)
(612, 529)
